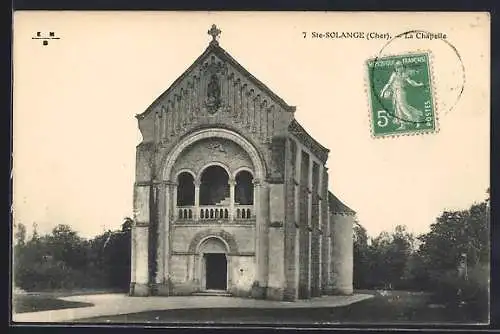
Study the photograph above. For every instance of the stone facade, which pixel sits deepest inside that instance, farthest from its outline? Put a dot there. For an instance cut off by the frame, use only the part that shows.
(231, 193)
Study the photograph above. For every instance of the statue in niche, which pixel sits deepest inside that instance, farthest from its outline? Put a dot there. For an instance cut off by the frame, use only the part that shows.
(213, 94)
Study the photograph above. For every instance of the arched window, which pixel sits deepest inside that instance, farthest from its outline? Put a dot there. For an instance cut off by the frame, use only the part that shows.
(243, 192)
(214, 187)
(185, 189)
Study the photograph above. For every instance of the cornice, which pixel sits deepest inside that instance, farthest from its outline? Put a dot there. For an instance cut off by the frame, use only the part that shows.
(308, 141)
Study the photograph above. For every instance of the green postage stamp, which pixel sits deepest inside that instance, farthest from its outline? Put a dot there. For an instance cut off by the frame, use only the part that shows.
(401, 95)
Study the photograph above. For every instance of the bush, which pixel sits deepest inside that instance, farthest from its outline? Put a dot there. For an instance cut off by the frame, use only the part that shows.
(62, 260)
(471, 293)
(475, 291)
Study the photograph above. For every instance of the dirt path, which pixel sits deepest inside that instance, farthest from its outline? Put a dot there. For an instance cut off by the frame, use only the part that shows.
(116, 304)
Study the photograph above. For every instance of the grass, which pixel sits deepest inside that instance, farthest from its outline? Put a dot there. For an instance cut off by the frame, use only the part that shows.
(48, 300)
(397, 307)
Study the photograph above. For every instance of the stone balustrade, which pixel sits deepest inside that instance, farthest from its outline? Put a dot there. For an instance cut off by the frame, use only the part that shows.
(215, 212)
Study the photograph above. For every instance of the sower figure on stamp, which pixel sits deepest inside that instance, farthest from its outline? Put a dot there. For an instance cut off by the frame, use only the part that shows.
(396, 87)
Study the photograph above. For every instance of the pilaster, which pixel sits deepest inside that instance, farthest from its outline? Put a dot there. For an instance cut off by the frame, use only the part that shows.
(139, 285)
(260, 203)
(290, 224)
(309, 218)
(161, 219)
(168, 207)
(276, 242)
(298, 159)
(326, 244)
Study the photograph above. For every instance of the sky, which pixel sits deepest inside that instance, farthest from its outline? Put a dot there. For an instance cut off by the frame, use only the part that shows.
(75, 99)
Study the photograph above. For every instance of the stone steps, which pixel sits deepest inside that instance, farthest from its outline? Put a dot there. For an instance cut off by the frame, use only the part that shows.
(219, 293)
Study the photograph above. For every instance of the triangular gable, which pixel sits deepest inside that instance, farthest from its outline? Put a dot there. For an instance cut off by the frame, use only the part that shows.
(215, 49)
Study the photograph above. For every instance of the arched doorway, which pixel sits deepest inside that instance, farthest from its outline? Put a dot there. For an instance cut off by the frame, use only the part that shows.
(214, 264)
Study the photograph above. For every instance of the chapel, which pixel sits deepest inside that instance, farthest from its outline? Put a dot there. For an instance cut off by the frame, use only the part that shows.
(231, 193)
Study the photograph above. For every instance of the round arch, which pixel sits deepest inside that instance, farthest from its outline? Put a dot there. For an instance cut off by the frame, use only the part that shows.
(170, 159)
(184, 170)
(241, 169)
(226, 238)
(212, 163)
(206, 240)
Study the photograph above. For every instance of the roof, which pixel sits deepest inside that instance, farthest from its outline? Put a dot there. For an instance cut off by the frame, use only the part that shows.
(337, 207)
(225, 56)
(319, 150)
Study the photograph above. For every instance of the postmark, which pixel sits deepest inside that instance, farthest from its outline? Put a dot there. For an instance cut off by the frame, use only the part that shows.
(401, 94)
(446, 81)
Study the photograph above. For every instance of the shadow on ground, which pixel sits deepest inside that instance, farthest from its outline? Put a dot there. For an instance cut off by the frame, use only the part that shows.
(48, 300)
(394, 307)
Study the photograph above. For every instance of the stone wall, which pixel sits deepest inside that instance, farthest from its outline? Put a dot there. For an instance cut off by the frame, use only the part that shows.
(182, 235)
(342, 253)
(185, 275)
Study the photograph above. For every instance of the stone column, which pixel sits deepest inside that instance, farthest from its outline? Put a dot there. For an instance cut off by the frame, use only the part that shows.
(232, 184)
(175, 212)
(196, 213)
(343, 254)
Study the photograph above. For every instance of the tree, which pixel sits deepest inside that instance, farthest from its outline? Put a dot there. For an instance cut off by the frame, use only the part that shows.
(64, 260)
(455, 234)
(35, 235)
(65, 245)
(361, 256)
(455, 257)
(388, 255)
(20, 234)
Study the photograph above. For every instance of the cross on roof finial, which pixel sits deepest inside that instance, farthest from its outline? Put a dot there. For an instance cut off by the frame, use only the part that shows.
(214, 32)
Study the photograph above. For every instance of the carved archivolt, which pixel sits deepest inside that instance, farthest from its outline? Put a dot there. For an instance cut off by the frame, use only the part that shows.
(226, 237)
(171, 158)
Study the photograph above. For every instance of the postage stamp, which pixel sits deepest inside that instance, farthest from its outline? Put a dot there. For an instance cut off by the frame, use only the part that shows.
(401, 94)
